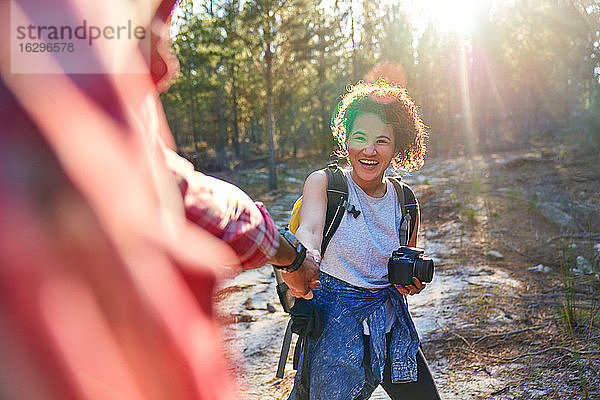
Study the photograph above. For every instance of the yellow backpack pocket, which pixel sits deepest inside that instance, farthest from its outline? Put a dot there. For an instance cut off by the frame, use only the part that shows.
(295, 217)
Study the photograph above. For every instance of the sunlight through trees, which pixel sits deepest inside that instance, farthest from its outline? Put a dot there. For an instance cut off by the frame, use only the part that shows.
(259, 79)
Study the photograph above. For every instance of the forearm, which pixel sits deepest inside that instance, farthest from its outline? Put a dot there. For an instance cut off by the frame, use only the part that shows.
(313, 212)
(310, 238)
(308, 233)
(227, 213)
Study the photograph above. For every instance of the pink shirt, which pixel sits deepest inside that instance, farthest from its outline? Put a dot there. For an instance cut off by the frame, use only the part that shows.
(226, 212)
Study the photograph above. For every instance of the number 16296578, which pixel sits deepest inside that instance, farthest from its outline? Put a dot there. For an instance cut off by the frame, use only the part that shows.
(41, 47)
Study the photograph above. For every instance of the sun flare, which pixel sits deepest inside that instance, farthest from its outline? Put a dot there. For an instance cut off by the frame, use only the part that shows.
(452, 16)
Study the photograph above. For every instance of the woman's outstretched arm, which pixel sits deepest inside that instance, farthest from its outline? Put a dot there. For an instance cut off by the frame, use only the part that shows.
(310, 229)
(312, 213)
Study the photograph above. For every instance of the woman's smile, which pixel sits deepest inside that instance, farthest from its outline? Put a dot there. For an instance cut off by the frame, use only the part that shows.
(368, 163)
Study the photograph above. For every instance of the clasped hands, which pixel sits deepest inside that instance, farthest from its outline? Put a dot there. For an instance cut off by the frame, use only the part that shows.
(306, 279)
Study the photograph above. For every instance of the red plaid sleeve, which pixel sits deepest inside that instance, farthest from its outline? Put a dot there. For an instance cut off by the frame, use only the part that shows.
(228, 213)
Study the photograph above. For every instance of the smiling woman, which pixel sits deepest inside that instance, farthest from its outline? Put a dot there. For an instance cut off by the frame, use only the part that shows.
(368, 336)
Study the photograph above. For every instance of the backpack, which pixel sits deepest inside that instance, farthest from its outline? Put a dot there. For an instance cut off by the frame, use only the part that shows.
(337, 205)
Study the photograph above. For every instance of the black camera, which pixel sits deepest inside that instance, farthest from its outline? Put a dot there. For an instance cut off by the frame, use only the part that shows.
(408, 262)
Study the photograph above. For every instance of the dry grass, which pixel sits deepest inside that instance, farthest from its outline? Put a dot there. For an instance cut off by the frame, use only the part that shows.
(540, 339)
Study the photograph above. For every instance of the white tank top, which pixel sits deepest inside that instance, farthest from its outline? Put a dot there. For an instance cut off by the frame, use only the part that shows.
(360, 248)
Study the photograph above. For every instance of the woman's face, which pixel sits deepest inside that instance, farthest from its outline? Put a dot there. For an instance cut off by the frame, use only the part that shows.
(370, 147)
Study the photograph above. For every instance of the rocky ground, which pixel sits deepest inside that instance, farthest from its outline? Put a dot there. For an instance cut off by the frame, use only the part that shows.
(512, 312)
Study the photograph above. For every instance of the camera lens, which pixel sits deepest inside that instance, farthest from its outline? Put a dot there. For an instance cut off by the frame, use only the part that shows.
(423, 269)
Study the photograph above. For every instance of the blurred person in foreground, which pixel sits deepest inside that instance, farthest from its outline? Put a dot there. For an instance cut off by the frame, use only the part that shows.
(106, 280)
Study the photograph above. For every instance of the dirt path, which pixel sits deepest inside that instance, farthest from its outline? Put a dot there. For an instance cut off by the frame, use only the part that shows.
(490, 321)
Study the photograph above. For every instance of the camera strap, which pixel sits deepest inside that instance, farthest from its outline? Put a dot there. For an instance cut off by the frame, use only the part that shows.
(409, 207)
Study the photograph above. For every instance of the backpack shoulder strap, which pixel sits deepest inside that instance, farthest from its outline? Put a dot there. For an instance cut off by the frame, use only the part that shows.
(409, 206)
(337, 194)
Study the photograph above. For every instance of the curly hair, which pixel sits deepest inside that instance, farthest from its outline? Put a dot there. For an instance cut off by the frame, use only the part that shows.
(392, 104)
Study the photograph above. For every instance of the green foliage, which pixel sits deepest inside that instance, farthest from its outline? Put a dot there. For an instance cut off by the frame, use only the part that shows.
(527, 71)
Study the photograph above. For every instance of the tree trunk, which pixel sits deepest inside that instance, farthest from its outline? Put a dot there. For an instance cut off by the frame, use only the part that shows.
(236, 132)
(325, 116)
(354, 55)
(193, 122)
(221, 154)
(270, 132)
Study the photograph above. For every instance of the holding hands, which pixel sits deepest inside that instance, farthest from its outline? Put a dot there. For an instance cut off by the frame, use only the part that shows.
(306, 279)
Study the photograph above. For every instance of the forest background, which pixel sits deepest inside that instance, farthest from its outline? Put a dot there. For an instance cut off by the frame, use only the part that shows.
(510, 93)
(259, 79)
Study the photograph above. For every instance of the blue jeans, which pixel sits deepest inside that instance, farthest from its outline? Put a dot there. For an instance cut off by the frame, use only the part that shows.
(336, 357)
